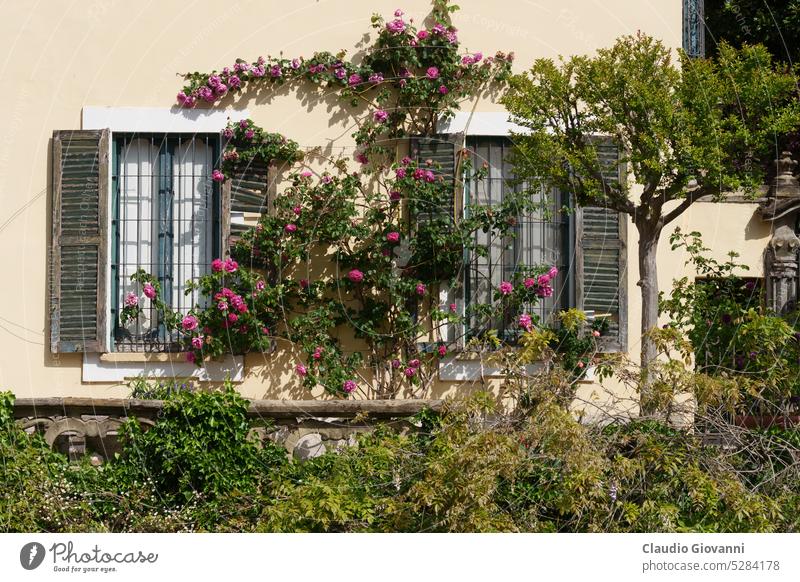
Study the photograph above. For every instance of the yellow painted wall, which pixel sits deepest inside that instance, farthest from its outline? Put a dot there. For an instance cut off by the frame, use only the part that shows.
(60, 56)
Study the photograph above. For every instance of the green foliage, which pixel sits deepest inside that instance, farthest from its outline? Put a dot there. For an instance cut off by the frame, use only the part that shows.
(698, 126)
(731, 335)
(200, 446)
(738, 22)
(471, 468)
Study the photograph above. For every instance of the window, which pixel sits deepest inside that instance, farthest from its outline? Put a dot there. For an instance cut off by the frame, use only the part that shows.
(541, 237)
(694, 28)
(165, 213)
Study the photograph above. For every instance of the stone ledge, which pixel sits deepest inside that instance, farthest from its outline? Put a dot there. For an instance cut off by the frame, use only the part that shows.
(277, 409)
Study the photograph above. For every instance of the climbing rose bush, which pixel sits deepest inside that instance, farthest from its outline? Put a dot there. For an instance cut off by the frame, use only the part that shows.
(337, 249)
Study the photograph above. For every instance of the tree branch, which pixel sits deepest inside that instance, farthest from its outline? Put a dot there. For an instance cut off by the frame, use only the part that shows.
(691, 197)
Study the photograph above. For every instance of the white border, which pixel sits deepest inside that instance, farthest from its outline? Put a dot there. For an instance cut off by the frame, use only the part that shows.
(96, 370)
(159, 119)
(494, 123)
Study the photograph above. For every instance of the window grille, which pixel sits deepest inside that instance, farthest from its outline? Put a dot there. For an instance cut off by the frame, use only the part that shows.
(165, 220)
(694, 33)
(541, 237)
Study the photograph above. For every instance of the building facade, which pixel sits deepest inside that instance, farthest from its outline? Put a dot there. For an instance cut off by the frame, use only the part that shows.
(111, 70)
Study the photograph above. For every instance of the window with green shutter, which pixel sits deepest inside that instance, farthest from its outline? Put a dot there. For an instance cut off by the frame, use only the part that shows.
(123, 202)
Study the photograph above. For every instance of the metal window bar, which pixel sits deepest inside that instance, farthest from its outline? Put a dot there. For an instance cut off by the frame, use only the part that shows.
(694, 39)
(165, 220)
(541, 238)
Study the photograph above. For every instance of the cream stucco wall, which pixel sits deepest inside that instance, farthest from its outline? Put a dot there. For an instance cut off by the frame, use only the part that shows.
(59, 57)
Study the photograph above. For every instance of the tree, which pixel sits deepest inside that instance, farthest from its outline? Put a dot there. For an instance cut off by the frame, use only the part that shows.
(776, 25)
(702, 128)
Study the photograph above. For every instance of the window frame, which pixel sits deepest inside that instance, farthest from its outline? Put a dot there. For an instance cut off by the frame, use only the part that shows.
(163, 139)
(568, 246)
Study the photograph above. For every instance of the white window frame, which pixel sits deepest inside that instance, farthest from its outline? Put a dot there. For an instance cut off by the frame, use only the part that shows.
(105, 367)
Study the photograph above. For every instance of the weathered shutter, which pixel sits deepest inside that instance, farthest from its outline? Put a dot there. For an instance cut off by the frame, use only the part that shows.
(443, 151)
(246, 191)
(601, 283)
(79, 251)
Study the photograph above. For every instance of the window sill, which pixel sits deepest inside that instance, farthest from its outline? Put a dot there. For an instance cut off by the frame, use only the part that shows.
(119, 367)
(464, 369)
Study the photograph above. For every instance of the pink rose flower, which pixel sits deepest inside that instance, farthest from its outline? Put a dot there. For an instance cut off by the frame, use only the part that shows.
(222, 306)
(421, 289)
(301, 370)
(354, 79)
(131, 299)
(297, 210)
(529, 282)
(414, 363)
(553, 272)
(305, 174)
(317, 353)
(349, 386)
(189, 323)
(409, 372)
(442, 351)
(506, 288)
(249, 134)
(398, 13)
(233, 318)
(217, 176)
(231, 266)
(423, 34)
(381, 116)
(525, 322)
(393, 237)
(477, 57)
(190, 357)
(432, 73)
(396, 26)
(596, 333)
(443, 90)
(290, 228)
(394, 195)
(197, 342)
(395, 364)
(149, 291)
(260, 286)
(400, 172)
(543, 279)
(453, 308)
(355, 276)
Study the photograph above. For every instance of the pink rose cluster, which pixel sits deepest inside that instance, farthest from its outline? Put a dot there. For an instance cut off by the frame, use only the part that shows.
(349, 386)
(542, 283)
(228, 265)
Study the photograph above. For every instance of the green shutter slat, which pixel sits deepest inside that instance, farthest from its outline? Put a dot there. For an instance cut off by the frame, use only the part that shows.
(79, 246)
(249, 187)
(602, 248)
(442, 153)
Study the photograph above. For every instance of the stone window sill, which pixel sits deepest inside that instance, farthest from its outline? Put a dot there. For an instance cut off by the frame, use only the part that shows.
(120, 367)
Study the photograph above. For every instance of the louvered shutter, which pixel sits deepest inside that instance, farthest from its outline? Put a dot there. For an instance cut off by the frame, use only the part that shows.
(443, 152)
(601, 258)
(79, 251)
(246, 192)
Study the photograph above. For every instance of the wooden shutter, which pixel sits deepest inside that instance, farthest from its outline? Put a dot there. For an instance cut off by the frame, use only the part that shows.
(443, 151)
(247, 191)
(601, 282)
(79, 246)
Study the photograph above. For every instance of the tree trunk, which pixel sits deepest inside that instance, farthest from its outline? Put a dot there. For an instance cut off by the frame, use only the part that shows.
(648, 281)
